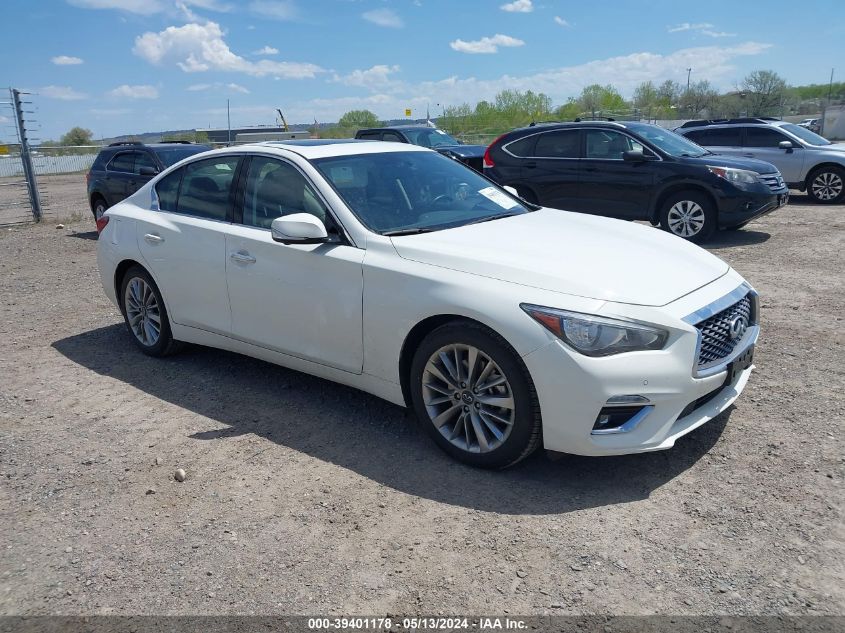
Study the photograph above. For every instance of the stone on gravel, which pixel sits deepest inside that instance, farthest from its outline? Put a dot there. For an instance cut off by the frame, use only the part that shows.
(179, 475)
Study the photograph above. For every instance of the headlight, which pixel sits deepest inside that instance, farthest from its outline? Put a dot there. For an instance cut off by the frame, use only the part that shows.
(737, 177)
(593, 335)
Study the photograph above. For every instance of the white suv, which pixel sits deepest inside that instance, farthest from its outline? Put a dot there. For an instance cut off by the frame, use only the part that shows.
(807, 161)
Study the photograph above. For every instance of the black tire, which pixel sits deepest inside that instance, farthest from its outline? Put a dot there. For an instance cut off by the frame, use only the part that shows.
(826, 185)
(164, 344)
(701, 208)
(525, 432)
(98, 206)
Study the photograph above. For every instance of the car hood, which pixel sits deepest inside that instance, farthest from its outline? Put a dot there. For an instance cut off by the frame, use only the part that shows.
(835, 147)
(571, 253)
(463, 151)
(720, 160)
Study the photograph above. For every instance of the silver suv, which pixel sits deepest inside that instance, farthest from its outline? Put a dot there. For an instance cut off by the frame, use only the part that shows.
(807, 161)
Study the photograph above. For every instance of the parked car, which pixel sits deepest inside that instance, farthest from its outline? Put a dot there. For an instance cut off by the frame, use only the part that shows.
(122, 168)
(814, 125)
(403, 273)
(807, 161)
(427, 136)
(634, 171)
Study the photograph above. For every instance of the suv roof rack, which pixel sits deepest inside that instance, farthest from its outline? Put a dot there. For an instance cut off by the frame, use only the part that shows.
(594, 118)
(119, 143)
(706, 122)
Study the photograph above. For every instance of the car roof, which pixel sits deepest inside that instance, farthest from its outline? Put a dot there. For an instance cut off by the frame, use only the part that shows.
(325, 148)
(613, 125)
(419, 126)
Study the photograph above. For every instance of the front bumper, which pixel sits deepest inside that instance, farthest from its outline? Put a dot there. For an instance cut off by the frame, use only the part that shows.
(573, 389)
(736, 211)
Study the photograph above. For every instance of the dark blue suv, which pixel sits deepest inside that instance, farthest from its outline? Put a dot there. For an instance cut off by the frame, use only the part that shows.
(634, 171)
(122, 168)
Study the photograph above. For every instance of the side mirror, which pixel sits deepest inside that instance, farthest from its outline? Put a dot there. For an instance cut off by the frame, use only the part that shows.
(147, 171)
(298, 228)
(510, 190)
(634, 156)
(787, 145)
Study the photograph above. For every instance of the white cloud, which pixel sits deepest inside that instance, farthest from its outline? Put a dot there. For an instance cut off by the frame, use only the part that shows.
(384, 17)
(710, 33)
(201, 47)
(209, 5)
(65, 93)
(376, 77)
(141, 7)
(686, 26)
(266, 50)
(134, 92)
(518, 6)
(486, 44)
(559, 20)
(219, 86)
(66, 60)
(275, 9)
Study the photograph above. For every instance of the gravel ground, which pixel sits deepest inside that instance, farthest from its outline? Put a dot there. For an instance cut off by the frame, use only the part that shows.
(304, 497)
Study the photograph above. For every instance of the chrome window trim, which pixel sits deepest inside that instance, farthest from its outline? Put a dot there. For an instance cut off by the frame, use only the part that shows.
(657, 157)
(748, 339)
(620, 130)
(629, 426)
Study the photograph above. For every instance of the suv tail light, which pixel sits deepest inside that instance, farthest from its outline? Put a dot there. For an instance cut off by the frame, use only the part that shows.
(488, 160)
(101, 223)
(88, 178)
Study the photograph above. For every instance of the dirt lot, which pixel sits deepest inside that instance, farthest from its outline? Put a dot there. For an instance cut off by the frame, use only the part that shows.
(303, 497)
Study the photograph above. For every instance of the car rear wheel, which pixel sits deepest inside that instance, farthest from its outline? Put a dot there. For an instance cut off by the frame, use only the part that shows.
(100, 207)
(690, 215)
(474, 396)
(826, 185)
(145, 314)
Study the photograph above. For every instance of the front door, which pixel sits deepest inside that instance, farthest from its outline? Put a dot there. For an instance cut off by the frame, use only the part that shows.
(300, 299)
(612, 186)
(184, 243)
(762, 143)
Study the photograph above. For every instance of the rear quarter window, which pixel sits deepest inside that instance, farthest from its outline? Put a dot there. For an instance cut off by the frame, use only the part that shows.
(167, 190)
(522, 147)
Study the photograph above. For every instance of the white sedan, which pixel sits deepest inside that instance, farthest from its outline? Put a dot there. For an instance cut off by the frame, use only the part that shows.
(403, 273)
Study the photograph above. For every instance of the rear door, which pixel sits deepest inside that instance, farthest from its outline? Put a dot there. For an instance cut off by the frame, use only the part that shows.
(144, 170)
(184, 242)
(762, 143)
(119, 172)
(720, 140)
(552, 166)
(612, 186)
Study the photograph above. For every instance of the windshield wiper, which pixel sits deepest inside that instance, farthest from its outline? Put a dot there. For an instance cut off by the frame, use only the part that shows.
(493, 217)
(411, 231)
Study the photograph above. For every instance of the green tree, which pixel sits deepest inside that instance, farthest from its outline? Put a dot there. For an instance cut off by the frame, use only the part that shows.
(77, 136)
(358, 119)
(765, 92)
(700, 96)
(597, 98)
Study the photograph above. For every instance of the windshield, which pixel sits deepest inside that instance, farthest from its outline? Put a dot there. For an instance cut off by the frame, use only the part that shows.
(668, 141)
(430, 137)
(415, 191)
(805, 135)
(171, 156)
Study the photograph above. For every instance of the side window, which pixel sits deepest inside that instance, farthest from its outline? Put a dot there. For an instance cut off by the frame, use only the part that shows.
(763, 137)
(123, 162)
(393, 137)
(142, 159)
(609, 145)
(558, 144)
(523, 147)
(275, 188)
(205, 187)
(167, 190)
(718, 137)
(370, 136)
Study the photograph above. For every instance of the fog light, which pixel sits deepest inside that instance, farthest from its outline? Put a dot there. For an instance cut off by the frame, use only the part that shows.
(619, 419)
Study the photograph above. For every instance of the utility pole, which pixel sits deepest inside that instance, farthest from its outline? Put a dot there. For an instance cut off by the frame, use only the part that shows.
(228, 125)
(830, 85)
(689, 72)
(26, 158)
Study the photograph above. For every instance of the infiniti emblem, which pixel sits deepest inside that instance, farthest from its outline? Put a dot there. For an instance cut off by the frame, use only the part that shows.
(737, 327)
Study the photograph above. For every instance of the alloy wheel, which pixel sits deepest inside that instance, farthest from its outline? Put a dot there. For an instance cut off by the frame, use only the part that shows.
(827, 186)
(142, 311)
(99, 210)
(686, 218)
(468, 398)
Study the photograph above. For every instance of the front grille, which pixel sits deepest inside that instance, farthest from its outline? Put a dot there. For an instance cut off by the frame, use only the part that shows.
(774, 181)
(716, 341)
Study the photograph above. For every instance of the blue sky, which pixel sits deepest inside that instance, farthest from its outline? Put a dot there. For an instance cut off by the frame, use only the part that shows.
(129, 66)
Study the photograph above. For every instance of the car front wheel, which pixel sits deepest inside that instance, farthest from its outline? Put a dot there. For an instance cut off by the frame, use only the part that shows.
(690, 215)
(145, 314)
(826, 185)
(474, 396)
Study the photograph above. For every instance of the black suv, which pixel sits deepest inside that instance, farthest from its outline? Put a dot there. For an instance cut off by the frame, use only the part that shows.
(634, 171)
(427, 136)
(122, 168)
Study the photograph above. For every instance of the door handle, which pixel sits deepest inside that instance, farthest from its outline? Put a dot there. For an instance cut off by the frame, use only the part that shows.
(242, 258)
(152, 238)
